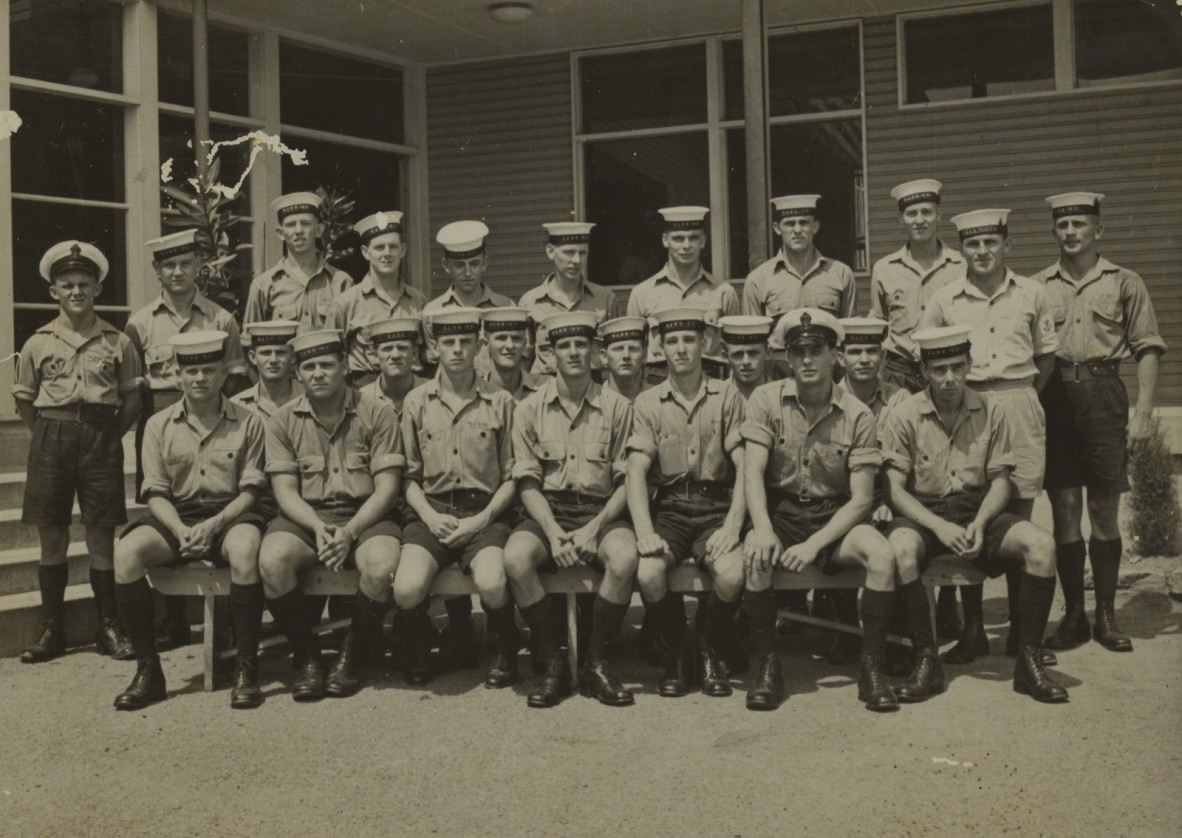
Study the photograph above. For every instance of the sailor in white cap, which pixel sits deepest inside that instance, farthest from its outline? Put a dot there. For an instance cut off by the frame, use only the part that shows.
(683, 281)
(271, 356)
(810, 462)
(77, 391)
(380, 295)
(902, 282)
(301, 284)
(203, 475)
(623, 341)
(506, 336)
(799, 275)
(566, 288)
(569, 443)
(685, 446)
(1103, 316)
(745, 345)
(336, 492)
(948, 455)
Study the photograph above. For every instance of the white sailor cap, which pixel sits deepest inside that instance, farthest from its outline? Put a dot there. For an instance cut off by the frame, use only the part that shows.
(1075, 203)
(925, 190)
(174, 244)
(745, 329)
(864, 329)
(455, 320)
(295, 203)
(981, 222)
(271, 332)
(394, 328)
(462, 239)
(684, 218)
(790, 206)
(504, 319)
(681, 320)
(380, 223)
(198, 347)
(809, 325)
(942, 342)
(569, 324)
(74, 255)
(313, 344)
(568, 232)
(622, 328)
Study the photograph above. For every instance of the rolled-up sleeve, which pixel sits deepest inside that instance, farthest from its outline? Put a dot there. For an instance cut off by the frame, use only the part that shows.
(1000, 458)
(864, 451)
(621, 430)
(757, 425)
(28, 377)
(646, 417)
(156, 477)
(130, 374)
(897, 442)
(732, 420)
(385, 441)
(1044, 337)
(525, 443)
(505, 441)
(411, 412)
(254, 459)
(281, 454)
(1142, 332)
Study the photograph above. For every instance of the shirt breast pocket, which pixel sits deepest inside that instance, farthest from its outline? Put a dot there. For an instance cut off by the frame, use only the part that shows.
(672, 456)
(826, 299)
(831, 464)
(311, 477)
(360, 481)
(552, 456)
(597, 472)
(223, 466)
(478, 448)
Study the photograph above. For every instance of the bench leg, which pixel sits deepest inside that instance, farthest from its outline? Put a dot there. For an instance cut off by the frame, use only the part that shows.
(572, 632)
(207, 640)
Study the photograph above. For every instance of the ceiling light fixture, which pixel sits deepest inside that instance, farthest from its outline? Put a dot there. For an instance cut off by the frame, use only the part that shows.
(511, 12)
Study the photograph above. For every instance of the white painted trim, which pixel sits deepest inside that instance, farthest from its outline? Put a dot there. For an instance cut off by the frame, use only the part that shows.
(1063, 26)
(349, 140)
(716, 160)
(214, 116)
(73, 202)
(263, 63)
(866, 186)
(67, 90)
(416, 193)
(141, 149)
(1091, 89)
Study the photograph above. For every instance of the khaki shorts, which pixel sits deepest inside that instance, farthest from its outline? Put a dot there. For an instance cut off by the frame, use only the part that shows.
(1024, 417)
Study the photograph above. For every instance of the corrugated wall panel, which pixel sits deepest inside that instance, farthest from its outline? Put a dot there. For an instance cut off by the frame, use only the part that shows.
(499, 149)
(1126, 143)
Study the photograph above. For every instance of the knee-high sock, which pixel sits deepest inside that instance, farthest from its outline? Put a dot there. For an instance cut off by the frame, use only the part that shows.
(102, 583)
(459, 612)
(137, 612)
(246, 612)
(718, 619)
(761, 613)
(1070, 560)
(670, 611)
(52, 579)
(973, 599)
(605, 626)
(877, 607)
(1105, 555)
(914, 600)
(542, 627)
(291, 615)
(1034, 607)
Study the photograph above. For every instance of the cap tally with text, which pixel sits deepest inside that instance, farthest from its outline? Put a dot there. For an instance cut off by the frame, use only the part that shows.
(921, 191)
(870, 330)
(380, 223)
(1075, 203)
(569, 232)
(295, 203)
(505, 319)
(982, 222)
(462, 239)
(569, 324)
(622, 328)
(174, 244)
(942, 342)
(73, 256)
(198, 347)
(458, 320)
(790, 206)
(811, 324)
(684, 218)
(745, 329)
(681, 320)
(313, 344)
(271, 332)
(394, 328)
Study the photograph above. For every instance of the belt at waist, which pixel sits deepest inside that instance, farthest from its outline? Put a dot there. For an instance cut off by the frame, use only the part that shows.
(696, 490)
(901, 363)
(774, 495)
(1087, 371)
(88, 412)
(462, 498)
(568, 496)
(1003, 384)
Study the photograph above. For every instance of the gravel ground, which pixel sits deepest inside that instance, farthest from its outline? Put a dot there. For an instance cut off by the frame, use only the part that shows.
(457, 759)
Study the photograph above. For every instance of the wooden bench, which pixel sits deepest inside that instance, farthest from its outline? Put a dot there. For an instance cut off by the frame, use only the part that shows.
(200, 579)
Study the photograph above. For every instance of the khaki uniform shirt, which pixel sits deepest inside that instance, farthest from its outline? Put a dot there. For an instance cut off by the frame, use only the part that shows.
(448, 299)
(335, 466)
(693, 440)
(661, 291)
(1010, 329)
(900, 290)
(458, 446)
(285, 293)
(530, 383)
(188, 465)
(886, 396)
(584, 452)
(152, 326)
(60, 367)
(364, 304)
(1106, 316)
(254, 400)
(939, 460)
(774, 288)
(373, 390)
(542, 301)
(810, 461)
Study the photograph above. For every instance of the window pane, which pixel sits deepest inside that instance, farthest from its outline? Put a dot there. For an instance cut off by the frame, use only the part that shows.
(627, 182)
(228, 74)
(808, 72)
(330, 93)
(69, 42)
(37, 226)
(177, 131)
(67, 147)
(823, 158)
(373, 179)
(1127, 41)
(974, 56)
(645, 89)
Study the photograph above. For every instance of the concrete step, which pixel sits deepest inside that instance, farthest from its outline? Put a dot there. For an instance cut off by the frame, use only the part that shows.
(18, 568)
(12, 487)
(20, 619)
(16, 536)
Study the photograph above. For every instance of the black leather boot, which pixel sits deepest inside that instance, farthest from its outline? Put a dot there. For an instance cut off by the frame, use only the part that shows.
(973, 642)
(344, 678)
(767, 693)
(1073, 631)
(1047, 657)
(309, 683)
(873, 689)
(1105, 557)
(417, 671)
(678, 677)
(714, 675)
(503, 643)
(596, 681)
(1031, 679)
(112, 642)
(51, 644)
(245, 693)
(925, 680)
(146, 687)
(555, 684)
